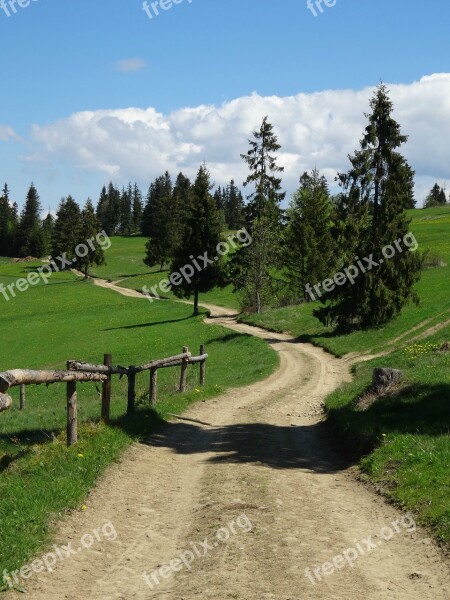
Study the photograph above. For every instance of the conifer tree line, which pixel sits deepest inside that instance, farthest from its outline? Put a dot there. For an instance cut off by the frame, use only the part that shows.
(317, 236)
(159, 215)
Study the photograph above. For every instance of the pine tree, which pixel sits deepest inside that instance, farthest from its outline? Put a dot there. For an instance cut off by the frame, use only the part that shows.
(68, 230)
(201, 238)
(125, 225)
(371, 216)
(91, 228)
(158, 248)
(159, 191)
(253, 266)
(234, 207)
(30, 234)
(436, 197)
(8, 224)
(310, 249)
(47, 228)
(4, 227)
(137, 208)
(109, 211)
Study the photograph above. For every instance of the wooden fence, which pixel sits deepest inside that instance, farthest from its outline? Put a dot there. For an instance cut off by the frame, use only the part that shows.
(80, 372)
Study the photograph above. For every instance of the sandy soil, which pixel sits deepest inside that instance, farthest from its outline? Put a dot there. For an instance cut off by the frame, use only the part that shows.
(267, 463)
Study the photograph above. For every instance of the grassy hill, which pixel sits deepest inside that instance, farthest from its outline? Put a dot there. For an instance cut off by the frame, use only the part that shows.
(431, 228)
(73, 319)
(125, 264)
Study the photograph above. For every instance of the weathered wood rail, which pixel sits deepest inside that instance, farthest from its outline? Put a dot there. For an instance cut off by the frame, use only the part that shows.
(82, 372)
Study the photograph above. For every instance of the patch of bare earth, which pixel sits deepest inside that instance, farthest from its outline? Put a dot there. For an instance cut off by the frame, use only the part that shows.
(270, 457)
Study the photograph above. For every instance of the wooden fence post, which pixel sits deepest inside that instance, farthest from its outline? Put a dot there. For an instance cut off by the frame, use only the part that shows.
(22, 397)
(131, 390)
(184, 366)
(202, 366)
(72, 412)
(106, 391)
(153, 385)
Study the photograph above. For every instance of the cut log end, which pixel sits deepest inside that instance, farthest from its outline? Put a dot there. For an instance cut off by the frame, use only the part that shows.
(5, 402)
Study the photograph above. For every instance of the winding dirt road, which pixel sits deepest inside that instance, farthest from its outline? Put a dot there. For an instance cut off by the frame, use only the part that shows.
(268, 474)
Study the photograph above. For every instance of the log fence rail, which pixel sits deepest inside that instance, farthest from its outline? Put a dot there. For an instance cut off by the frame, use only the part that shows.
(80, 372)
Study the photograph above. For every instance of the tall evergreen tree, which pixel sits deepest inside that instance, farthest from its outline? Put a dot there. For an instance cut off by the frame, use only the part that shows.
(158, 248)
(8, 224)
(372, 216)
(310, 249)
(30, 234)
(137, 208)
(109, 209)
(436, 197)
(91, 228)
(253, 265)
(234, 207)
(47, 228)
(68, 229)
(201, 238)
(126, 217)
(159, 191)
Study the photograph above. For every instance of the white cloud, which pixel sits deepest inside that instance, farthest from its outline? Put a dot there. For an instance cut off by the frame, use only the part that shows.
(7, 133)
(318, 129)
(130, 64)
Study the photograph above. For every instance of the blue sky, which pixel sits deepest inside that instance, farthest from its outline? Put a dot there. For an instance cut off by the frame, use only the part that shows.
(63, 57)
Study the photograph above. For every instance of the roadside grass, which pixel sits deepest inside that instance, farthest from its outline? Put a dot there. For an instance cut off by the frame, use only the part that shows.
(72, 319)
(404, 436)
(403, 439)
(432, 230)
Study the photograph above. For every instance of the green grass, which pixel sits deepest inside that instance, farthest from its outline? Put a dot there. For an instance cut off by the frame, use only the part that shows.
(72, 319)
(403, 438)
(404, 434)
(125, 264)
(123, 259)
(431, 228)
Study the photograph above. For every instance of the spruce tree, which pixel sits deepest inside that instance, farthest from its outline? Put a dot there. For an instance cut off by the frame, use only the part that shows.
(91, 228)
(436, 197)
(47, 227)
(310, 250)
(137, 207)
(371, 216)
(253, 266)
(30, 234)
(234, 207)
(125, 225)
(201, 238)
(68, 230)
(158, 248)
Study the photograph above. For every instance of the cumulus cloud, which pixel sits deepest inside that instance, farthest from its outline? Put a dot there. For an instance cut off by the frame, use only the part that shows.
(130, 64)
(317, 129)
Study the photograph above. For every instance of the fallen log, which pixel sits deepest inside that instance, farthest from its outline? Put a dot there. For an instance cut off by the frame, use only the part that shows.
(5, 402)
(27, 377)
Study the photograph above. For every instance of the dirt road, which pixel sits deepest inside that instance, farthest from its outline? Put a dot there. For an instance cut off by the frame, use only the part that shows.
(267, 489)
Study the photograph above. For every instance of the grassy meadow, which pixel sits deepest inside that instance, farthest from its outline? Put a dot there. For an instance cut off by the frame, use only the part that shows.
(431, 228)
(125, 264)
(72, 319)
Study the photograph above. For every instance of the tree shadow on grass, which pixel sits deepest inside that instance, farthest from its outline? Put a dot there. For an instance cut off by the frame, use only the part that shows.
(152, 324)
(417, 409)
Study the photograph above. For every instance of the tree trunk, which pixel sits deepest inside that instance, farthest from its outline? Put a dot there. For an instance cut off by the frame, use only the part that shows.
(196, 303)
